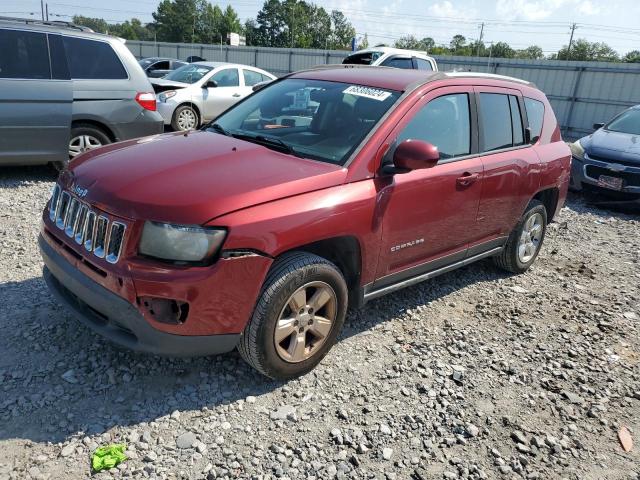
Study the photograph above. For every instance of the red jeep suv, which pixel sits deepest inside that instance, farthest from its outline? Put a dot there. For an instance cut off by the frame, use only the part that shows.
(324, 189)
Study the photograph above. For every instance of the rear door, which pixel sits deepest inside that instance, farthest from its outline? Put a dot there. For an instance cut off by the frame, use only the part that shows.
(36, 98)
(229, 91)
(511, 165)
(430, 214)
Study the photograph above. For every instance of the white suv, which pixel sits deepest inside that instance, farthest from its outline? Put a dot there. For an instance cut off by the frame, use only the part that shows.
(393, 57)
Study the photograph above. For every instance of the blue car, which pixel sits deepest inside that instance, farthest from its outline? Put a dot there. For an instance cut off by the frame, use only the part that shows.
(608, 160)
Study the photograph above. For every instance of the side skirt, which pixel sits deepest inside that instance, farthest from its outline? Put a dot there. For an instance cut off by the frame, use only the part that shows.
(369, 293)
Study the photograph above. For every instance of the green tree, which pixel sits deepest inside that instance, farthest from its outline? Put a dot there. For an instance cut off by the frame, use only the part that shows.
(457, 43)
(409, 42)
(95, 24)
(502, 50)
(364, 43)
(342, 31)
(583, 50)
(632, 57)
(534, 52)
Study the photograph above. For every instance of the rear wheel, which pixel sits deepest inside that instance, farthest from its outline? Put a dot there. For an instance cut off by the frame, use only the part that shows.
(525, 240)
(82, 139)
(297, 318)
(185, 118)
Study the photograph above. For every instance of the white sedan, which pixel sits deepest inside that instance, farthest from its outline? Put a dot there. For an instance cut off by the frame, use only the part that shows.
(199, 92)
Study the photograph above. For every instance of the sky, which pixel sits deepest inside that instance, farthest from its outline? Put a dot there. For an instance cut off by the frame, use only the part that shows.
(521, 23)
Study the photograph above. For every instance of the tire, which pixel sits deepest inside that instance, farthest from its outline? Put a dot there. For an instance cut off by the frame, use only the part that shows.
(180, 117)
(84, 137)
(512, 257)
(290, 274)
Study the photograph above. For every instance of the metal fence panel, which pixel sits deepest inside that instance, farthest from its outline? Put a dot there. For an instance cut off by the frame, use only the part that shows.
(581, 93)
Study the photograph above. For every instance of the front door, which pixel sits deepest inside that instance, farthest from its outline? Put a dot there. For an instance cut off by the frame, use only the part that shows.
(227, 92)
(430, 214)
(36, 99)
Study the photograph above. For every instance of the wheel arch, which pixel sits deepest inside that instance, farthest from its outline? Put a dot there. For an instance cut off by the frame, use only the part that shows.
(190, 104)
(549, 198)
(78, 122)
(345, 253)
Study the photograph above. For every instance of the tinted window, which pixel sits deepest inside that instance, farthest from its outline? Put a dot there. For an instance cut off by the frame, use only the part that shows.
(24, 55)
(423, 64)
(398, 63)
(516, 121)
(495, 115)
(251, 77)
(227, 78)
(164, 65)
(535, 114)
(626, 122)
(89, 59)
(443, 122)
(366, 58)
(59, 68)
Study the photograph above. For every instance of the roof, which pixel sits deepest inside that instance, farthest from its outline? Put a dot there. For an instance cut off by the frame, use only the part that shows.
(399, 51)
(54, 26)
(391, 78)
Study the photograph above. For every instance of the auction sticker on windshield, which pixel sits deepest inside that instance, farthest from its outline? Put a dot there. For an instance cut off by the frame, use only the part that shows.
(367, 92)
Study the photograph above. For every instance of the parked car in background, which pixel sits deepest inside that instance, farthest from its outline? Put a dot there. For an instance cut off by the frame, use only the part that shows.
(608, 160)
(327, 188)
(156, 67)
(195, 58)
(65, 90)
(392, 57)
(199, 92)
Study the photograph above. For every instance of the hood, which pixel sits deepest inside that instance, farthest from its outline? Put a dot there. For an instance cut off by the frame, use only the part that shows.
(190, 179)
(162, 85)
(612, 145)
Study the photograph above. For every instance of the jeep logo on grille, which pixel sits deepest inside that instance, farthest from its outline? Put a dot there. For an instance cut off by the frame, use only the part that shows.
(79, 191)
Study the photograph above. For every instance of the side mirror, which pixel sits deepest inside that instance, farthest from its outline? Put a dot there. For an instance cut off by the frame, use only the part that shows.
(413, 155)
(597, 126)
(210, 84)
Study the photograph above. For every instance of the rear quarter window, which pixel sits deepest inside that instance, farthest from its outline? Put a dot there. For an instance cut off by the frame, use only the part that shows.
(91, 59)
(535, 115)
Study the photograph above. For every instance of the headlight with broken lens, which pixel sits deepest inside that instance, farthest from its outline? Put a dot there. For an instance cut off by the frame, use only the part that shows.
(577, 150)
(164, 96)
(180, 243)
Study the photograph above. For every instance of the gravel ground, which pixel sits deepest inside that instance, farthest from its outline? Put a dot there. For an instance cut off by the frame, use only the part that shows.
(476, 374)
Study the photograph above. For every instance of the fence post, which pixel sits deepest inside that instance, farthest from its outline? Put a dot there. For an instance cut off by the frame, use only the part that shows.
(290, 57)
(495, 67)
(158, 48)
(573, 97)
(327, 61)
(201, 51)
(226, 54)
(255, 58)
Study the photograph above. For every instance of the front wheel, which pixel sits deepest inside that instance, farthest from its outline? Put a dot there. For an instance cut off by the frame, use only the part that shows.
(298, 316)
(525, 240)
(185, 118)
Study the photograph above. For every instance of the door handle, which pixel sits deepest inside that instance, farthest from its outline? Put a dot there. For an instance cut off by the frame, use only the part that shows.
(467, 179)
(236, 95)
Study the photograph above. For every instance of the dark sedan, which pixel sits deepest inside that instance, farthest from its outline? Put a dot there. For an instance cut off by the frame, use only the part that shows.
(609, 159)
(156, 67)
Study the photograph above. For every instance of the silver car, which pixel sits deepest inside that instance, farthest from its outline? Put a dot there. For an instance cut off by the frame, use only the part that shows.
(199, 92)
(65, 89)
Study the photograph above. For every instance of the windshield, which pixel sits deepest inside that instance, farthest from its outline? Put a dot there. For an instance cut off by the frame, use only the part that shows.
(310, 118)
(366, 58)
(626, 122)
(189, 73)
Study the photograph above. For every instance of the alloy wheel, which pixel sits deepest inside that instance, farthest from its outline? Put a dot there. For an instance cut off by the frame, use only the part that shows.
(187, 119)
(530, 238)
(305, 322)
(81, 144)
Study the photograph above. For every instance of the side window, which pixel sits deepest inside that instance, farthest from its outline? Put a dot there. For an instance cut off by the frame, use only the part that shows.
(397, 62)
(24, 55)
(495, 115)
(445, 123)
(227, 78)
(89, 59)
(535, 114)
(59, 67)
(516, 121)
(175, 65)
(251, 77)
(163, 65)
(265, 78)
(423, 64)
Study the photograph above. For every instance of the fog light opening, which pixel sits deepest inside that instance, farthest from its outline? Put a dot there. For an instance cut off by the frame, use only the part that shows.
(165, 310)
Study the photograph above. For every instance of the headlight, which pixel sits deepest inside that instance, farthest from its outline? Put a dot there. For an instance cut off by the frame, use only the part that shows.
(180, 243)
(577, 150)
(164, 96)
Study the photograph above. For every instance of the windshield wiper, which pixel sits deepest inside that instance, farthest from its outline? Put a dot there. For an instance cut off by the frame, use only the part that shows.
(220, 129)
(268, 142)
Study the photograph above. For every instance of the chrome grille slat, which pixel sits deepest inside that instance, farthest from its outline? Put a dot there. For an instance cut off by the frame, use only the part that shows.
(99, 235)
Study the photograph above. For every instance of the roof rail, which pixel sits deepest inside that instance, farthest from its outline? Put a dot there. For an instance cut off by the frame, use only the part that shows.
(50, 23)
(489, 76)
